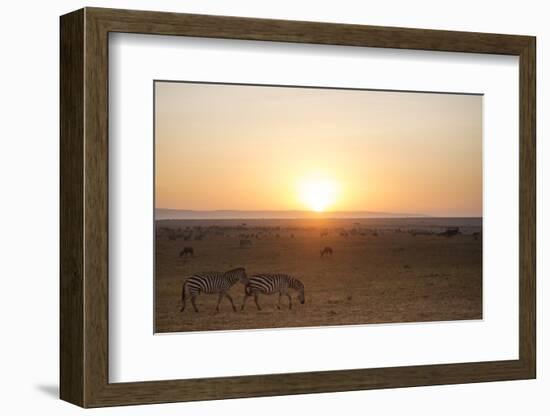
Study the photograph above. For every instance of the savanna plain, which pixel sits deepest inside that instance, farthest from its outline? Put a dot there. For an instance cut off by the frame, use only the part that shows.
(381, 270)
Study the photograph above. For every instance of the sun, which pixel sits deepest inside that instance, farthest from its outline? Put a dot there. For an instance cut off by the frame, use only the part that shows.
(318, 193)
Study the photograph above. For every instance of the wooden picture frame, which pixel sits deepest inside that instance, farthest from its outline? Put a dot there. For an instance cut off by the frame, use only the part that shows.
(84, 207)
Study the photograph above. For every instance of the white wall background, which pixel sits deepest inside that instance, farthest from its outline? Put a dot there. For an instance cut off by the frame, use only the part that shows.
(29, 207)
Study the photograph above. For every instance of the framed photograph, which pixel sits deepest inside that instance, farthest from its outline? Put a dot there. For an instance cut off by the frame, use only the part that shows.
(255, 207)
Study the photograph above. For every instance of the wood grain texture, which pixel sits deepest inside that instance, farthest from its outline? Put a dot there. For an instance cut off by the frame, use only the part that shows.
(72, 215)
(162, 23)
(84, 207)
(527, 207)
(96, 219)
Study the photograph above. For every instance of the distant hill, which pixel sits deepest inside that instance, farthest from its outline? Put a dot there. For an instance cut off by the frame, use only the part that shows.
(184, 214)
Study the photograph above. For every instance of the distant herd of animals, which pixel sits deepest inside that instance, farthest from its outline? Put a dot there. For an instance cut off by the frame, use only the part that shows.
(220, 283)
(190, 251)
(199, 233)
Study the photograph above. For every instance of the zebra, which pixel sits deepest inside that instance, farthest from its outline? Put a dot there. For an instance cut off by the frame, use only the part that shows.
(269, 284)
(211, 283)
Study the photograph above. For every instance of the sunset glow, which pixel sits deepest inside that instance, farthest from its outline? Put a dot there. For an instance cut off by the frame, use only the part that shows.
(254, 148)
(318, 194)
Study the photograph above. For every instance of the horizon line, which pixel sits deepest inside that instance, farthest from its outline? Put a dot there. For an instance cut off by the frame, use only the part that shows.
(301, 211)
(310, 214)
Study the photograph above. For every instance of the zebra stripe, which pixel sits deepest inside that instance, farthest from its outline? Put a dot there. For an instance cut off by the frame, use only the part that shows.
(212, 283)
(269, 284)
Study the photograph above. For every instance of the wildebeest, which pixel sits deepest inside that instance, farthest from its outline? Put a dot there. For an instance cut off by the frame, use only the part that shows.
(327, 250)
(187, 251)
(476, 235)
(212, 283)
(245, 243)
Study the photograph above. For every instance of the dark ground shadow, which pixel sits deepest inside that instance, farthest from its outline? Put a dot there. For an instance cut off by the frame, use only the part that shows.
(51, 390)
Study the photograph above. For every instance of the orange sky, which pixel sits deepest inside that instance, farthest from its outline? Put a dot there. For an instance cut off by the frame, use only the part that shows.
(275, 148)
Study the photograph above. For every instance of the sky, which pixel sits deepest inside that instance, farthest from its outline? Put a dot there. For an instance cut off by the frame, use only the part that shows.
(243, 147)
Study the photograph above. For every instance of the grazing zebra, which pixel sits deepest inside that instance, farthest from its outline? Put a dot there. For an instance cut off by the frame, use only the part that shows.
(269, 284)
(327, 250)
(212, 283)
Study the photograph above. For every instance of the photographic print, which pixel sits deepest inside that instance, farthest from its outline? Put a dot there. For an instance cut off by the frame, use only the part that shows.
(289, 206)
